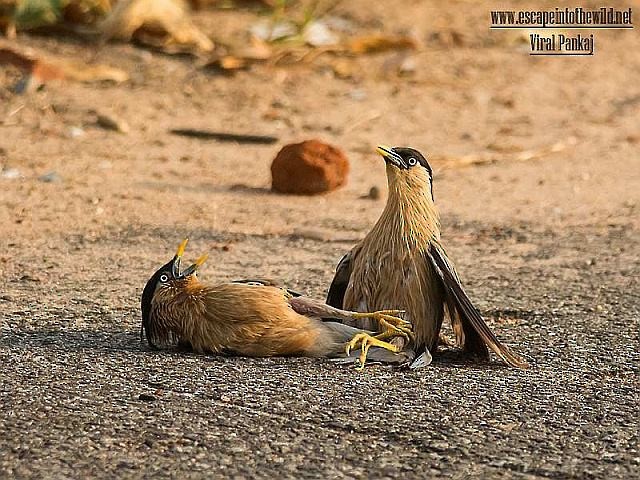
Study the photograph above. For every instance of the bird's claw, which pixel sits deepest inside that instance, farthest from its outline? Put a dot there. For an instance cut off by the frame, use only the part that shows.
(366, 341)
(390, 322)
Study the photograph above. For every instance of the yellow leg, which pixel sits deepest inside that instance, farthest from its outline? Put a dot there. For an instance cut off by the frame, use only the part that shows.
(389, 321)
(386, 335)
(367, 341)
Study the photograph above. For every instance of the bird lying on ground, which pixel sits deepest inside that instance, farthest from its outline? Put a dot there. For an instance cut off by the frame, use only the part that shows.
(253, 318)
(401, 264)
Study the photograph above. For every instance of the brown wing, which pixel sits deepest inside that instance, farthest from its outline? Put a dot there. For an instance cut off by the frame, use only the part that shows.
(252, 319)
(340, 282)
(472, 331)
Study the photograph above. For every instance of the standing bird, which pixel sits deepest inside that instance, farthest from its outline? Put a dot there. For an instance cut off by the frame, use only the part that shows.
(253, 318)
(401, 264)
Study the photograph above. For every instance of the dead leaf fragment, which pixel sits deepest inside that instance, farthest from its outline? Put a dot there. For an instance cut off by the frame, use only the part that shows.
(82, 72)
(342, 68)
(241, 58)
(161, 23)
(381, 43)
(42, 68)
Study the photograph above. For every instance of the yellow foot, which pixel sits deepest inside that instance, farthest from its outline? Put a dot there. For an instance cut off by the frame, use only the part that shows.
(390, 322)
(367, 341)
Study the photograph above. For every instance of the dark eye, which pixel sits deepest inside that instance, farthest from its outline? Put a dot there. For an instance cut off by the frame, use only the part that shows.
(412, 161)
(164, 277)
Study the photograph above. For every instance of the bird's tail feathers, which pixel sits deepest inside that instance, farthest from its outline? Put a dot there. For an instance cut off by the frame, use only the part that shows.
(477, 336)
(468, 324)
(478, 324)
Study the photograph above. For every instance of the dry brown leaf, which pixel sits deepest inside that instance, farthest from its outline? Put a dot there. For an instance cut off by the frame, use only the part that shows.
(257, 51)
(228, 63)
(82, 72)
(162, 23)
(342, 68)
(43, 68)
(381, 43)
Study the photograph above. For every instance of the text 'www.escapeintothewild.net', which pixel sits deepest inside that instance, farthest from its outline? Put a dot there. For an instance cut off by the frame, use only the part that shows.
(557, 43)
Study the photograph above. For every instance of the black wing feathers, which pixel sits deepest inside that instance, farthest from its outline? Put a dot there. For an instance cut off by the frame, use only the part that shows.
(477, 335)
(338, 287)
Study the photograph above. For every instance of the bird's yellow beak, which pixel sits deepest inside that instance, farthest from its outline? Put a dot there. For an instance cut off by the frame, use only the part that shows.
(193, 268)
(391, 157)
(181, 248)
(384, 150)
(201, 259)
(178, 256)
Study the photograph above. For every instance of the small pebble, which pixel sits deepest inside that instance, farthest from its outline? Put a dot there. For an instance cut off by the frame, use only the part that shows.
(51, 177)
(11, 173)
(76, 132)
(358, 95)
(374, 193)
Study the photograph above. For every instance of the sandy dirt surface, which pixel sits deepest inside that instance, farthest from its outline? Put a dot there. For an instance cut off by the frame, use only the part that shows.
(548, 248)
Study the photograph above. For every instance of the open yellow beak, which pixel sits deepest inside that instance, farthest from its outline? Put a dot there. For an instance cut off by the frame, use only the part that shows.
(181, 248)
(201, 259)
(193, 268)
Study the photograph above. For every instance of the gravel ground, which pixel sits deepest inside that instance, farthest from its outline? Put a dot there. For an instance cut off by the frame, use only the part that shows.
(81, 398)
(548, 247)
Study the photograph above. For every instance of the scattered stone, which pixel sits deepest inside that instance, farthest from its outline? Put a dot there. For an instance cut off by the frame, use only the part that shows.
(76, 132)
(269, 31)
(110, 122)
(374, 193)
(408, 66)
(318, 34)
(51, 177)
(357, 94)
(11, 173)
(309, 168)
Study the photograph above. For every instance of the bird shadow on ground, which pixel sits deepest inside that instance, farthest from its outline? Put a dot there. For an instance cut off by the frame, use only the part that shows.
(456, 358)
(80, 340)
(71, 340)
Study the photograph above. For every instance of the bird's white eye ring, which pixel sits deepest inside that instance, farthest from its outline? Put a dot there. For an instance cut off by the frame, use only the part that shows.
(412, 161)
(164, 278)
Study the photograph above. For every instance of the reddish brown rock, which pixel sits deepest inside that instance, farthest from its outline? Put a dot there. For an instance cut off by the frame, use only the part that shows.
(309, 168)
